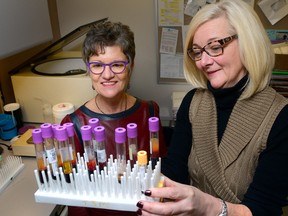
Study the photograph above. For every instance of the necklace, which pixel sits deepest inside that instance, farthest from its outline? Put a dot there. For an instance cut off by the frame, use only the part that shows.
(102, 110)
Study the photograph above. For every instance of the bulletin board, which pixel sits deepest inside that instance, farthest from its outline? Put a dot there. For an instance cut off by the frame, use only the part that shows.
(171, 64)
(172, 22)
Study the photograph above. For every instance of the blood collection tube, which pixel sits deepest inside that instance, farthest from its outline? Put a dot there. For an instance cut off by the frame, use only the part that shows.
(99, 134)
(154, 139)
(94, 122)
(120, 140)
(47, 135)
(142, 166)
(88, 148)
(56, 144)
(70, 132)
(40, 153)
(132, 142)
(63, 145)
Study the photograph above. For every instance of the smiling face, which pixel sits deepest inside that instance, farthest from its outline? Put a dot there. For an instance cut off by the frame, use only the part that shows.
(225, 70)
(108, 84)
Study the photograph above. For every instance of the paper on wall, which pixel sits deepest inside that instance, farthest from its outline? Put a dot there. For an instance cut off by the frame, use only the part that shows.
(169, 38)
(171, 66)
(193, 6)
(170, 12)
(274, 10)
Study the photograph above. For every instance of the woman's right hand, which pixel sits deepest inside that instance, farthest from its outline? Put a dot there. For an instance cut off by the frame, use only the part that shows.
(179, 199)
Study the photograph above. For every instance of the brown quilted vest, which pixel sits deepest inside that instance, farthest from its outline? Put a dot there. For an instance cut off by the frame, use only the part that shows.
(227, 170)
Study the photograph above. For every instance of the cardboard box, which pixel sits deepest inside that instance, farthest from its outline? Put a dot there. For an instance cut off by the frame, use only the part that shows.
(21, 147)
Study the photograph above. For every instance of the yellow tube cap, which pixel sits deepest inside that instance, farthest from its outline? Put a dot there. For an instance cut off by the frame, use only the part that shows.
(142, 157)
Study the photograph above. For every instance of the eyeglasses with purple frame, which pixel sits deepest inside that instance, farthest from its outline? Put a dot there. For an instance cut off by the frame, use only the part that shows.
(98, 68)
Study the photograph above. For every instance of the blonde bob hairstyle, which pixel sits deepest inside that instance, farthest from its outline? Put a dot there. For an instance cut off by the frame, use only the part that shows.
(254, 45)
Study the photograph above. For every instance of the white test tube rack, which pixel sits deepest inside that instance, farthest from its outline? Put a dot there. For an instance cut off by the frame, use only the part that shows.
(101, 190)
(10, 168)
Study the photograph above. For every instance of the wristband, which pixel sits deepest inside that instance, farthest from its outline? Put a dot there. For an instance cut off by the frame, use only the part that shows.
(224, 211)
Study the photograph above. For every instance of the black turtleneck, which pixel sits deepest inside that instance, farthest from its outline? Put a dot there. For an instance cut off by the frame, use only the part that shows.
(269, 189)
(225, 100)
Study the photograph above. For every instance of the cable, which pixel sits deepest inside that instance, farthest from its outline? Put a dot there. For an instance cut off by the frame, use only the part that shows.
(9, 147)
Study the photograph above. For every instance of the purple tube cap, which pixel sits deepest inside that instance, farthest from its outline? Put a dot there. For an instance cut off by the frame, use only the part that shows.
(37, 136)
(120, 135)
(86, 132)
(61, 133)
(132, 130)
(70, 128)
(153, 124)
(54, 129)
(99, 133)
(93, 122)
(47, 131)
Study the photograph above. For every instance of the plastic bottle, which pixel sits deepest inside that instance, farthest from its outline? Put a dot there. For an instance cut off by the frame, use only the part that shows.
(120, 140)
(99, 134)
(47, 135)
(142, 166)
(63, 144)
(40, 153)
(47, 113)
(154, 139)
(132, 142)
(88, 148)
(70, 131)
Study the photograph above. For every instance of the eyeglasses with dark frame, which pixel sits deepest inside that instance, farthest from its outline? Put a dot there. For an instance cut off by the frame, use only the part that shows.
(98, 68)
(213, 48)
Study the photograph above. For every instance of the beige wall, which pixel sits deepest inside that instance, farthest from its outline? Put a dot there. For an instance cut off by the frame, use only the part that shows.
(11, 62)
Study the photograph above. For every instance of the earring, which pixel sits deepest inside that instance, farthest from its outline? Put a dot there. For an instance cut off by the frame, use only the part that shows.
(93, 87)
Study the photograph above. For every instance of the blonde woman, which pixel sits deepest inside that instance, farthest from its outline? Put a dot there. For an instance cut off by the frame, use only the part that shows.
(230, 143)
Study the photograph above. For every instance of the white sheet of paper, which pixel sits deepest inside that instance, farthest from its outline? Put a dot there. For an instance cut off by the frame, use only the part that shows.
(274, 10)
(169, 38)
(171, 66)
